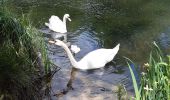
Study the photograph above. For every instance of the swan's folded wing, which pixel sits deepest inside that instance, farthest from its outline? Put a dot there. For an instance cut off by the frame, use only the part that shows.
(100, 55)
(56, 24)
(55, 20)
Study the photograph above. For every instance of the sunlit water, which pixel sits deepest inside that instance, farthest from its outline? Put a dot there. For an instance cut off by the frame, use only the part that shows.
(92, 84)
(101, 24)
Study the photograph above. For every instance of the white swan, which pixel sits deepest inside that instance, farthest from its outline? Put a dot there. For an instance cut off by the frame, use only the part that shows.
(57, 25)
(93, 60)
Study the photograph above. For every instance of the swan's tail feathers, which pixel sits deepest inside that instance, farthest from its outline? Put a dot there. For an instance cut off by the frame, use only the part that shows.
(118, 45)
(47, 24)
(116, 49)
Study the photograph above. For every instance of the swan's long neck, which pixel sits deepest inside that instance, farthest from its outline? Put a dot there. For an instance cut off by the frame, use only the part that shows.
(64, 20)
(70, 56)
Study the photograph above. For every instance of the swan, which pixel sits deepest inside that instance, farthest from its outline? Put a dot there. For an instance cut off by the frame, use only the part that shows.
(57, 25)
(93, 60)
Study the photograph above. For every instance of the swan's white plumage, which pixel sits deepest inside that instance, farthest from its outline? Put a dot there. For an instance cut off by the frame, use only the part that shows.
(57, 25)
(98, 58)
(93, 60)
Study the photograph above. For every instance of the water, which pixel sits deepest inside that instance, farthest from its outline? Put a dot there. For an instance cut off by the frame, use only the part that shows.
(96, 24)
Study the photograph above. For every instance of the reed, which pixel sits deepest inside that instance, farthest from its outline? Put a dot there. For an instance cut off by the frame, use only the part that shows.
(134, 80)
(154, 82)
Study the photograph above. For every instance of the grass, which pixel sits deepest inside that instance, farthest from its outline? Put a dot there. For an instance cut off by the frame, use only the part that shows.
(154, 82)
(20, 46)
(37, 41)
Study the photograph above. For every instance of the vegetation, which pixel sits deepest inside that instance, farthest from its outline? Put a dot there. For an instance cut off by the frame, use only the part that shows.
(154, 83)
(20, 66)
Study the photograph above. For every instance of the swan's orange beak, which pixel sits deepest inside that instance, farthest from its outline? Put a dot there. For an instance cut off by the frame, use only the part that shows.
(69, 19)
(51, 41)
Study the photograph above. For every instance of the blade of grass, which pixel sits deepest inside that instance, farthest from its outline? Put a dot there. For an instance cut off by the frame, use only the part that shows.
(134, 80)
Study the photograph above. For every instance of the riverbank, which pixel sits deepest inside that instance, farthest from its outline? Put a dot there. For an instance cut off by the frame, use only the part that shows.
(23, 59)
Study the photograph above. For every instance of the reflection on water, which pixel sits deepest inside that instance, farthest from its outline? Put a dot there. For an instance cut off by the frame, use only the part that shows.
(164, 41)
(71, 83)
(96, 24)
(134, 24)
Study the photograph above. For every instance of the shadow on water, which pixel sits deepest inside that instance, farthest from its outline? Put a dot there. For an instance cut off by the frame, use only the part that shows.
(93, 84)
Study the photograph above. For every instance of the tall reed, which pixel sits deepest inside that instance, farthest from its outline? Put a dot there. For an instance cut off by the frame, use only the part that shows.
(154, 82)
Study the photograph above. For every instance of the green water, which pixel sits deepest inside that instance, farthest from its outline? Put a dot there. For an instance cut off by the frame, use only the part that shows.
(133, 23)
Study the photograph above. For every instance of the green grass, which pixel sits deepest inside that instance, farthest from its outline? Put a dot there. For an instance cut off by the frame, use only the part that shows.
(135, 85)
(37, 41)
(154, 82)
(19, 64)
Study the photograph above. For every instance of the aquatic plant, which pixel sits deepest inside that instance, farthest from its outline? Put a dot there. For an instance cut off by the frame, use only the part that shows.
(154, 82)
(121, 92)
(135, 85)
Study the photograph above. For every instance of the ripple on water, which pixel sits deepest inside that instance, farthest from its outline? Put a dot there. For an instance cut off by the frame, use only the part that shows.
(96, 84)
